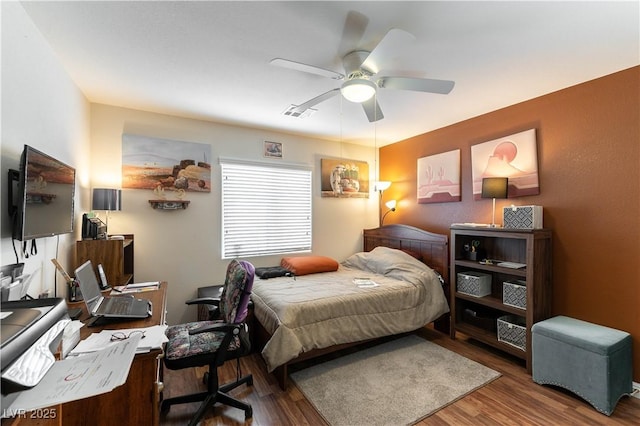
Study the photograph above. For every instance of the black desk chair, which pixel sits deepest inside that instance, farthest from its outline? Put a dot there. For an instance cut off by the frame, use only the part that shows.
(214, 342)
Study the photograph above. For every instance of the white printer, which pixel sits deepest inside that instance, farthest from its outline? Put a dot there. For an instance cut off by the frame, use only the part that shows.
(30, 332)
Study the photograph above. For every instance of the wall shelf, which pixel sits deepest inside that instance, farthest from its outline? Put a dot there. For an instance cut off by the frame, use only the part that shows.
(40, 198)
(169, 204)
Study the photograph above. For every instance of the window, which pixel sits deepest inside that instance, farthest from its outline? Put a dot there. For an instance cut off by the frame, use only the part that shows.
(266, 209)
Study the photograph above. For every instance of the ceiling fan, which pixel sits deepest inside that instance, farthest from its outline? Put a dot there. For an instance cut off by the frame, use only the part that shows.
(361, 78)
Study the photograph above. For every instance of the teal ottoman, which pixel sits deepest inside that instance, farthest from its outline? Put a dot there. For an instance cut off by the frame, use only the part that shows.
(590, 360)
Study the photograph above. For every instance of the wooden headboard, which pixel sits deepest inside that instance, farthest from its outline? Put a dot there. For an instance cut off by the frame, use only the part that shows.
(433, 248)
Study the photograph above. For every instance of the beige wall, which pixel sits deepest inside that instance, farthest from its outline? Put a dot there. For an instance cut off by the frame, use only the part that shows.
(183, 247)
(588, 157)
(43, 108)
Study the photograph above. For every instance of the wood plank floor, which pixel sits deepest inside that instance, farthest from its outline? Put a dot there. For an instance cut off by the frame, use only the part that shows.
(513, 399)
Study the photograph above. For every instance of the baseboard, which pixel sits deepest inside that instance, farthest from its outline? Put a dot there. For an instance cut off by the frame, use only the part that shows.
(636, 390)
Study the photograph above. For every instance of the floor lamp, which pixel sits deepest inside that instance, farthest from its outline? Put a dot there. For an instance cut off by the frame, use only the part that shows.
(495, 187)
(391, 205)
(381, 186)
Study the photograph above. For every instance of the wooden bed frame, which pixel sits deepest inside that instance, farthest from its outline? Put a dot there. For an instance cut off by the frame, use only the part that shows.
(434, 251)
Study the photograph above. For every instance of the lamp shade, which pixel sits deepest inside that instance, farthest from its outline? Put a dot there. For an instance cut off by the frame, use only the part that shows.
(382, 185)
(358, 89)
(495, 187)
(106, 199)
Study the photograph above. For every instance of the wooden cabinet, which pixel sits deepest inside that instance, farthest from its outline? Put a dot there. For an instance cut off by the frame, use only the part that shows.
(116, 257)
(477, 317)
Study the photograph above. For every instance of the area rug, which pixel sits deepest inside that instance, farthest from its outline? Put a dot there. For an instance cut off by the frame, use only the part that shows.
(395, 383)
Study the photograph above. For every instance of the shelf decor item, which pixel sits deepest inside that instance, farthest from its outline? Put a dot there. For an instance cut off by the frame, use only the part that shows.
(522, 217)
(474, 283)
(512, 330)
(514, 293)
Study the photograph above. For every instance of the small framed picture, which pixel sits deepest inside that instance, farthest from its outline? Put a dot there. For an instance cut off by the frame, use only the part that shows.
(272, 149)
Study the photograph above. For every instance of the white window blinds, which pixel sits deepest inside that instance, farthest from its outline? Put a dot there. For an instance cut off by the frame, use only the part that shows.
(266, 209)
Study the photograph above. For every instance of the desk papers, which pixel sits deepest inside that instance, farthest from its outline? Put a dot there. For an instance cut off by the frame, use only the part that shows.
(137, 287)
(154, 338)
(80, 377)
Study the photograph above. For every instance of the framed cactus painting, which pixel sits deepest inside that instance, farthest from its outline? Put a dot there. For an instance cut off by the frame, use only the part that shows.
(344, 178)
(439, 178)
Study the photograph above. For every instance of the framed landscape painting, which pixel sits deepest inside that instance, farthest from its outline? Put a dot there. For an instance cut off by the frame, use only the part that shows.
(439, 178)
(151, 163)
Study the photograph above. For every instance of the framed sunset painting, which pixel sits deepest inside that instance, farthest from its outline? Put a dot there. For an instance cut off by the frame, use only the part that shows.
(150, 163)
(514, 157)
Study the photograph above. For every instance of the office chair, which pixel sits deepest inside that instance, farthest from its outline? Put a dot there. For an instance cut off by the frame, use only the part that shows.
(214, 342)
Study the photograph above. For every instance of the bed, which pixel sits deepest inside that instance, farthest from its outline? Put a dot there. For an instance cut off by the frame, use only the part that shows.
(301, 317)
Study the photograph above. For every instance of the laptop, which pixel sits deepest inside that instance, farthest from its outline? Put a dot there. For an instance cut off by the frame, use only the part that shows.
(99, 306)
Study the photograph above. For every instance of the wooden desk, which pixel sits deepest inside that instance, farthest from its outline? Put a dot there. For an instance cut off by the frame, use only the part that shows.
(134, 403)
(137, 401)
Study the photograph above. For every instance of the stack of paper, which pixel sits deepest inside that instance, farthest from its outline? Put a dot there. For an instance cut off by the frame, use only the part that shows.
(137, 288)
(365, 282)
(82, 377)
(154, 337)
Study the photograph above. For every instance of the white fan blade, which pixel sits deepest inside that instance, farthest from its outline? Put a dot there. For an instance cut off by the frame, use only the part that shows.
(321, 98)
(354, 27)
(393, 41)
(417, 84)
(297, 66)
(372, 109)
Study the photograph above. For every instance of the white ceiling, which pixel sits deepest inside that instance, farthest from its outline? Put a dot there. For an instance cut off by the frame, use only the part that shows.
(210, 60)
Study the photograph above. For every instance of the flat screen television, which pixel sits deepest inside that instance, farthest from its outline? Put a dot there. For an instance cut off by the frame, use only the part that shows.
(44, 204)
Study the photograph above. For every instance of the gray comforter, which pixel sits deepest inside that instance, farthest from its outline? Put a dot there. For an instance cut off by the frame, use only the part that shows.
(321, 310)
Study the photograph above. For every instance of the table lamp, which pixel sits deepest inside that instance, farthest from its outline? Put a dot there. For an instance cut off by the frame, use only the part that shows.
(494, 187)
(107, 200)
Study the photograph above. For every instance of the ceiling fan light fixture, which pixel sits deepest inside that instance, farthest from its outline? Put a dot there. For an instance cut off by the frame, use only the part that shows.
(358, 90)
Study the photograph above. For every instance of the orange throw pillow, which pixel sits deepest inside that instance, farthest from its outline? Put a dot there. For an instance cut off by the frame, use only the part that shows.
(304, 265)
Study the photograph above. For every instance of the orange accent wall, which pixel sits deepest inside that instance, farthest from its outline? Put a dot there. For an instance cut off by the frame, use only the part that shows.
(588, 139)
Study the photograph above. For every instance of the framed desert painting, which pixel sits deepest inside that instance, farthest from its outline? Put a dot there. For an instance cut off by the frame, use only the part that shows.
(344, 178)
(514, 157)
(439, 178)
(150, 163)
